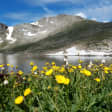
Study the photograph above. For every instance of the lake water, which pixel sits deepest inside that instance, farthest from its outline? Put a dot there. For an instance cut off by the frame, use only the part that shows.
(23, 60)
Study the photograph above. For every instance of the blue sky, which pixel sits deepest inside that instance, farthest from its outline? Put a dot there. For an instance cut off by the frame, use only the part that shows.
(14, 12)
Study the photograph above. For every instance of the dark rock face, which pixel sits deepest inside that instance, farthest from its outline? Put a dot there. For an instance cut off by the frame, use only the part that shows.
(3, 27)
(3, 33)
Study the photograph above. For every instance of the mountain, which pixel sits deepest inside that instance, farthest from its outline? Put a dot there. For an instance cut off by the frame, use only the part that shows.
(53, 35)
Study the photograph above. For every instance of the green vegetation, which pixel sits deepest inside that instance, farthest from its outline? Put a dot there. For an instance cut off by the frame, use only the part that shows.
(77, 88)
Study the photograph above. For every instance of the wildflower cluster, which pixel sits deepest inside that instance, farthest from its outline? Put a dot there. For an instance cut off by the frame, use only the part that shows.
(74, 88)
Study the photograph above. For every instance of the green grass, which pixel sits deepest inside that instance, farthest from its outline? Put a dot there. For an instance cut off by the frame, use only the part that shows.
(82, 94)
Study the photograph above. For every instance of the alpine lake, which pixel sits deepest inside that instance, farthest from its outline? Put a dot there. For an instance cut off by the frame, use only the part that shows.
(23, 60)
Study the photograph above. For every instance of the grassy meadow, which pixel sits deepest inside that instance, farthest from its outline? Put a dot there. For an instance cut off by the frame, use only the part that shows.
(75, 88)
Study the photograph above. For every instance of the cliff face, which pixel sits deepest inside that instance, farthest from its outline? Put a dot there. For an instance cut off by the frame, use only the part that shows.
(53, 34)
(3, 34)
(28, 33)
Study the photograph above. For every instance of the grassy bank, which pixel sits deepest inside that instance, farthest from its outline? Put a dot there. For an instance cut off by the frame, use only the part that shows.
(76, 88)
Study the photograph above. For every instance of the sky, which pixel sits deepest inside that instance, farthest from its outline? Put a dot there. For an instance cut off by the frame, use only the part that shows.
(14, 12)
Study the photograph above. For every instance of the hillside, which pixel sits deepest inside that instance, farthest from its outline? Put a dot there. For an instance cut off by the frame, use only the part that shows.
(82, 34)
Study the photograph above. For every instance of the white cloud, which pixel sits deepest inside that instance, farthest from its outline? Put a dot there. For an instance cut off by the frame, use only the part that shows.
(81, 15)
(48, 11)
(100, 13)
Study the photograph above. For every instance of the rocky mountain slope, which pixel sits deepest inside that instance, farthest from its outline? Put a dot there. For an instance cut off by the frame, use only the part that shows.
(53, 35)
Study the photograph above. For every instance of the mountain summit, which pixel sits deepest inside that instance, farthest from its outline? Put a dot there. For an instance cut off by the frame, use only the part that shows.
(52, 35)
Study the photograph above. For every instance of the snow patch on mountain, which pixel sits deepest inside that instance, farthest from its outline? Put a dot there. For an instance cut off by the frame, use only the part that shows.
(51, 22)
(12, 41)
(1, 41)
(74, 51)
(45, 31)
(29, 34)
(35, 23)
(24, 30)
(9, 35)
(81, 15)
(40, 25)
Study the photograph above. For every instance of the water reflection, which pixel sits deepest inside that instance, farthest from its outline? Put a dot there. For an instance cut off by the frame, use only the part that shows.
(23, 60)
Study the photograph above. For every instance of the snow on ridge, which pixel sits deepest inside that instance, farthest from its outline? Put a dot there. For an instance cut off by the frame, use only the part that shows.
(24, 30)
(12, 41)
(1, 41)
(33, 34)
(35, 23)
(9, 35)
(40, 25)
(29, 34)
(45, 31)
(81, 15)
(74, 51)
(51, 22)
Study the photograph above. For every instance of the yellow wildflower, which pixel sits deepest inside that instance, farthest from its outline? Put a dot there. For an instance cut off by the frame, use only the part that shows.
(101, 65)
(106, 68)
(16, 67)
(53, 63)
(70, 70)
(85, 72)
(49, 87)
(45, 68)
(80, 61)
(74, 67)
(12, 66)
(79, 66)
(20, 72)
(106, 72)
(27, 91)
(60, 79)
(8, 64)
(19, 100)
(97, 79)
(56, 68)
(34, 68)
(49, 72)
(67, 81)
(42, 72)
(1, 66)
(31, 63)
(47, 63)
(62, 70)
